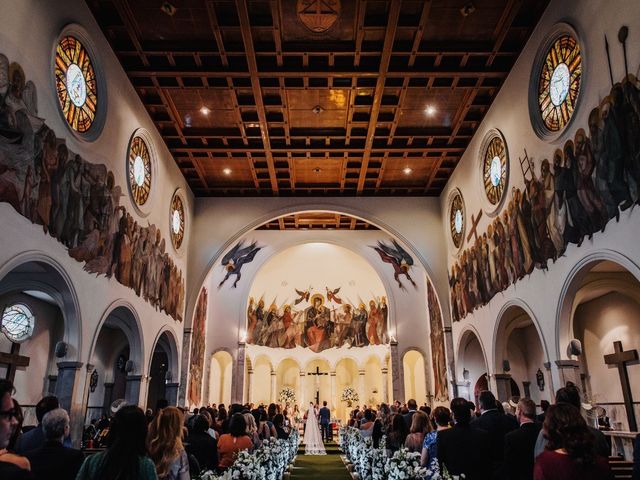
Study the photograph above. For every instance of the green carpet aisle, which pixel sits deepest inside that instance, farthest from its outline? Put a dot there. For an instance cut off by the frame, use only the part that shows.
(316, 467)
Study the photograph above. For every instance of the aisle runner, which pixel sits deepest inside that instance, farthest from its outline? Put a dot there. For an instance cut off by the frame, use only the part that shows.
(316, 467)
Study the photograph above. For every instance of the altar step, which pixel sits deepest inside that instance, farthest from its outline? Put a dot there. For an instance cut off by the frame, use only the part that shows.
(621, 468)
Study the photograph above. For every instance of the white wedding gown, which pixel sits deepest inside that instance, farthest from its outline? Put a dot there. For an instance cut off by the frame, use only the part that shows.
(313, 444)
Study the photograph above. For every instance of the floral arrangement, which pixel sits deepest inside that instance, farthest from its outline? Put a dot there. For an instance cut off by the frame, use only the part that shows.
(287, 396)
(404, 465)
(349, 395)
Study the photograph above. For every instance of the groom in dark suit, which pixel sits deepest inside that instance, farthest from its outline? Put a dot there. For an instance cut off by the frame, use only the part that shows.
(325, 418)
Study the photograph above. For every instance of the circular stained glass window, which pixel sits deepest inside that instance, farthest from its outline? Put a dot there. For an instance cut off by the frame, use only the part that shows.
(559, 78)
(76, 84)
(494, 169)
(139, 170)
(457, 219)
(176, 221)
(17, 322)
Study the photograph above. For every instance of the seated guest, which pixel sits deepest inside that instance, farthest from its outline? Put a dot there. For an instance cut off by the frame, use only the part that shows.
(8, 454)
(207, 414)
(264, 429)
(519, 444)
(419, 427)
(34, 438)
(125, 457)
(202, 445)
(9, 470)
(278, 423)
(441, 418)
(231, 443)
(570, 452)
(164, 443)
(17, 431)
(252, 430)
(397, 435)
(366, 427)
(54, 461)
(463, 449)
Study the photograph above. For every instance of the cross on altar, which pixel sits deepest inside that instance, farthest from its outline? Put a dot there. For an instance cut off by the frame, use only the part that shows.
(13, 360)
(621, 358)
(317, 374)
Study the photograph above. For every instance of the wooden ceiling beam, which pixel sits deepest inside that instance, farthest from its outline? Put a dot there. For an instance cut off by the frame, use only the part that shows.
(390, 33)
(215, 28)
(243, 15)
(422, 25)
(310, 148)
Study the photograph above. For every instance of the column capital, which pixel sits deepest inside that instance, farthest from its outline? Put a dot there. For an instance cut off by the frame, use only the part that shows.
(567, 364)
(273, 373)
(332, 373)
(361, 371)
(384, 370)
(250, 371)
(71, 365)
(134, 378)
(303, 373)
(174, 385)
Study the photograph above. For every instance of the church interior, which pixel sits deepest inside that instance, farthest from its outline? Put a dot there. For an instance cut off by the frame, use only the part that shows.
(358, 202)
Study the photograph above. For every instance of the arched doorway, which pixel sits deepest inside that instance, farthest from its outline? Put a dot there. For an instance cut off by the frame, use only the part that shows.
(604, 310)
(519, 356)
(220, 378)
(117, 357)
(163, 371)
(347, 375)
(261, 382)
(415, 385)
(373, 381)
(471, 366)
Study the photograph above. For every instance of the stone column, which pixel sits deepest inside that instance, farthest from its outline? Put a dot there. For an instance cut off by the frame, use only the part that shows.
(133, 390)
(303, 377)
(463, 388)
(273, 386)
(65, 383)
(568, 371)
(503, 386)
(184, 369)
(108, 396)
(249, 384)
(397, 374)
(51, 390)
(527, 389)
(361, 387)
(451, 364)
(171, 393)
(237, 382)
(385, 385)
(334, 403)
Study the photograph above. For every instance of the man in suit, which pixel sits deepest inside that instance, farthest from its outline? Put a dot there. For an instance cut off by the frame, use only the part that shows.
(497, 425)
(519, 444)
(34, 438)
(462, 449)
(412, 405)
(54, 461)
(325, 419)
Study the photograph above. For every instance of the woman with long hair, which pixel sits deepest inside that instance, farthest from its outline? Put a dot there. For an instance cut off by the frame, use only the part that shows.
(234, 441)
(397, 434)
(419, 427)
(164, 443)
(570, 451)
(126, 454)
(252, 430)
(440, 418)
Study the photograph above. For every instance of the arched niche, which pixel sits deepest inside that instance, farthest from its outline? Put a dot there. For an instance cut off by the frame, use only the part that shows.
(373, 379)
(606, 309)
(261, 381)
(520, 353)
(287, 375)
(220, 377)
(471, 366)
(415, 383)
(347, 375)
(317, 384)
(163, 370)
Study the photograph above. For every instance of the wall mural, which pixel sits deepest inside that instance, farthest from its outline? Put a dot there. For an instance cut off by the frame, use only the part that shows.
(438, 357)
(236, 258)
(196, 360)
(318, 322)
(586, 184)
(77, 202)
(399, 259)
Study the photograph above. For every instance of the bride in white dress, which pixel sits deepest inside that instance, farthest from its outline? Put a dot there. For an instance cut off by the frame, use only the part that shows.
(313, 444)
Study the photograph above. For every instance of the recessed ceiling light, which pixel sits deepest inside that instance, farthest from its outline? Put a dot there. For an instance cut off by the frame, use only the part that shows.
(317, 109)
(407, 170)
(317, 170)
(226, 171)
(430, 110)
(204, 110)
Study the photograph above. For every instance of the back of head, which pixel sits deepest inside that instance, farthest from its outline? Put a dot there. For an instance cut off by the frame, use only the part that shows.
(487, 400)
(368, 415)
(126, 441)
(161, 403)
(45, 405)
(544, 405)
(460, 410)
(164, 440)
(399, 426)
(527, 408)
(442, 416)
(237, 425)
(565, 428)
(324, 403)
(569, 394)
(419, 423)
(412, 404)
(251, 423)
(278, 420)
(200, 424)
(55, 424)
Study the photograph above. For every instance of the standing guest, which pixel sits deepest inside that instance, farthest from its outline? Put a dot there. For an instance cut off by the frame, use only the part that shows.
(397, 435)
(472, 408)
(419, 427)
(412, 407)
(54, 461)
(520, 444)
(234, 441)
(164, 443)
(252, 430)
(570, 452)
(497, 425)
(206, 414)
(325, 421)
(463, 449)
(8, 423)
(264, 430)
(125, 457)
(441, 418)
(366, 427)
(544, 406)
(8, 454)
(201, 445)
(34, 438)
(278, 423)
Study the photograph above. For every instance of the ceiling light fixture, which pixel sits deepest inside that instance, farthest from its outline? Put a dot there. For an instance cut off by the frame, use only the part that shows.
(468, 9)
(407, 170)
(204, 110)
(317, 109)
(168, 8)
(187, 120)
(430, 110)
(317, 170)
(226, 171)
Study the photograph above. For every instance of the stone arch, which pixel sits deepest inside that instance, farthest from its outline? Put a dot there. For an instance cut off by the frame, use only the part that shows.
(166, 339)
(416, 385)
(56, 283)
(470, 349)
(165, 345)
(572, 284)
(221, 368)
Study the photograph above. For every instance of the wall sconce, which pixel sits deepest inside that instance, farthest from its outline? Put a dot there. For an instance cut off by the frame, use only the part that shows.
(465, 374)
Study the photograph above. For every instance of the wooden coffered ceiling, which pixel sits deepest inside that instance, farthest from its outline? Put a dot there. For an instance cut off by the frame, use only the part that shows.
(317, 221)
(252, 102)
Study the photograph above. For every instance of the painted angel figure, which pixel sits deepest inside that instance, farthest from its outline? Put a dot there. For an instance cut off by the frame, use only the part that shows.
(399, 259)
(236, 258)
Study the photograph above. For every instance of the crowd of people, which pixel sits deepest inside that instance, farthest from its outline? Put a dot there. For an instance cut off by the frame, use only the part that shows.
(166, 444)
(492, 441)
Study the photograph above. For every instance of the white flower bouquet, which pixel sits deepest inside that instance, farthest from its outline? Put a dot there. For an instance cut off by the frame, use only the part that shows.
(405, 465)
(350, 396)
(287, 396)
